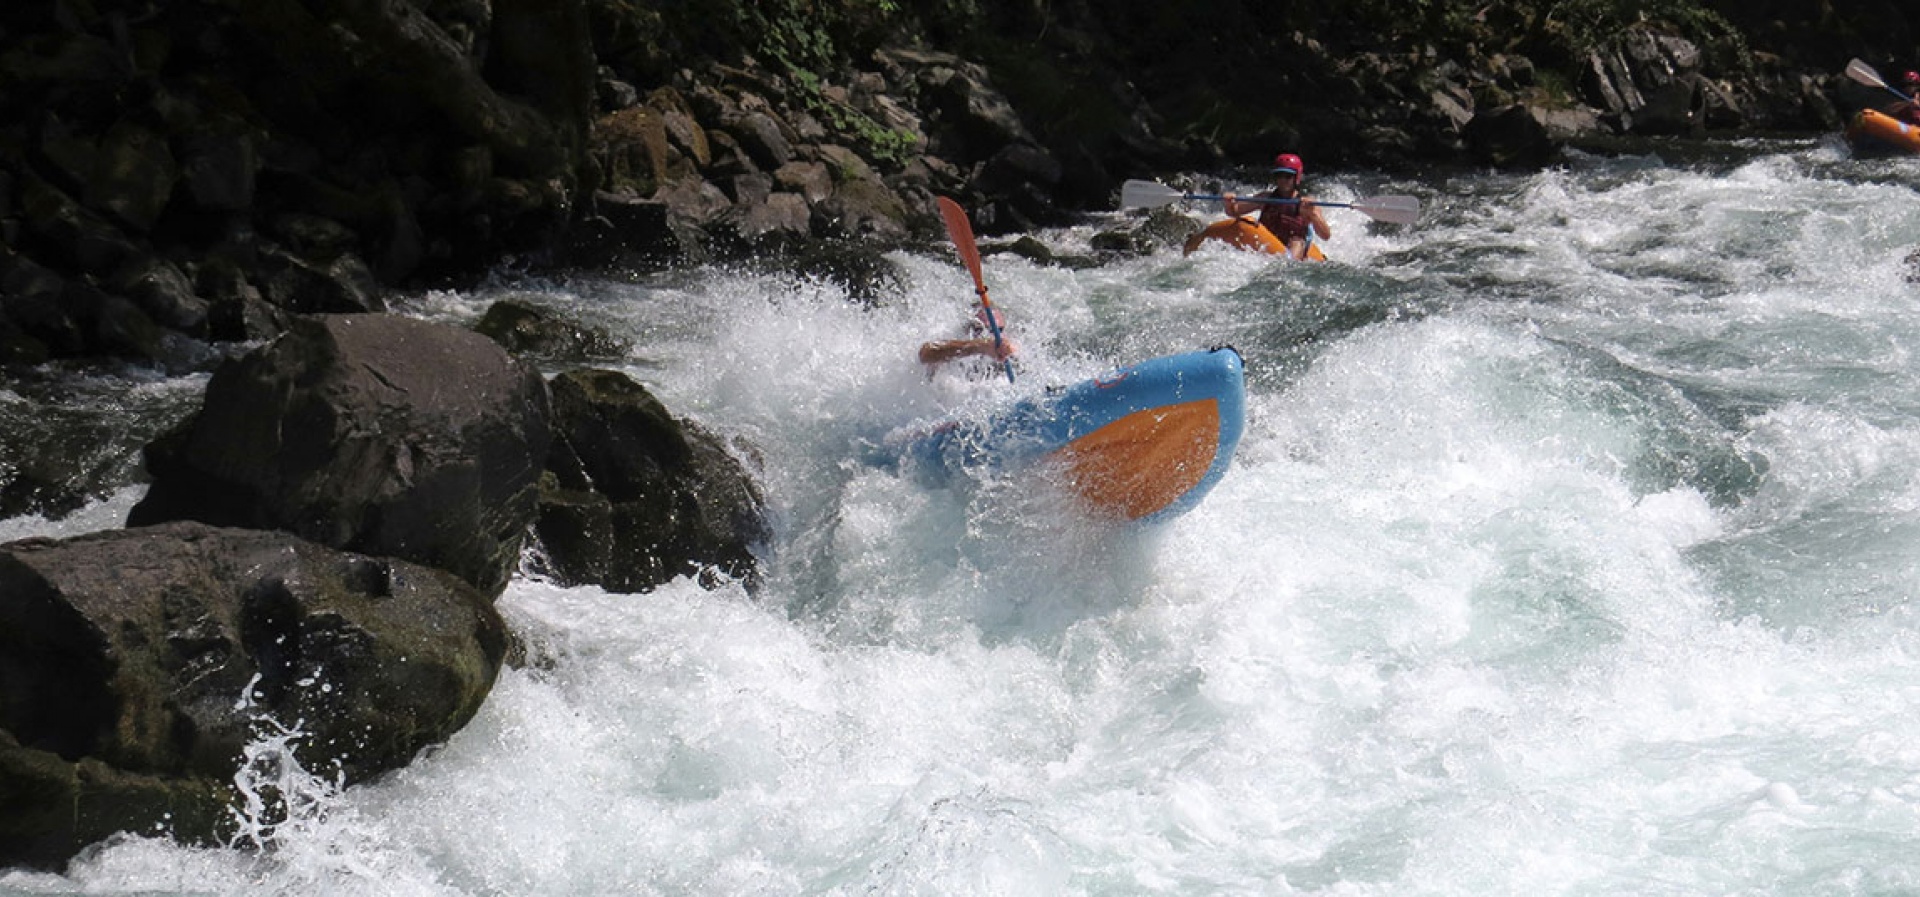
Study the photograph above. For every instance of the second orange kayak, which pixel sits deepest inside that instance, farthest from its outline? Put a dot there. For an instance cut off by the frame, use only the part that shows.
(1872, 131)
(1247, 233)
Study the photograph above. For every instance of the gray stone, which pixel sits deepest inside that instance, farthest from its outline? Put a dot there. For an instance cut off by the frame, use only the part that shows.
(370, 433)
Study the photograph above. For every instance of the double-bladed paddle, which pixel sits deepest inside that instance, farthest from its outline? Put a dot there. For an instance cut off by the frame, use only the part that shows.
(961, 233)
(1864, 73)
(1390, 209)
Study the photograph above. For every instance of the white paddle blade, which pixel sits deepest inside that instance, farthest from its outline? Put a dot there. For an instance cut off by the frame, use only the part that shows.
(1147, 193)
(1391, 209)
(1864, 73)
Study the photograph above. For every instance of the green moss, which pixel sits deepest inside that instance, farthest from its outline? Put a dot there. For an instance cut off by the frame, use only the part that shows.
(804, 38)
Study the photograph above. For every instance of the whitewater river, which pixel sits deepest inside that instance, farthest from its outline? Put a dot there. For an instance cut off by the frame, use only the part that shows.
(1573, 548)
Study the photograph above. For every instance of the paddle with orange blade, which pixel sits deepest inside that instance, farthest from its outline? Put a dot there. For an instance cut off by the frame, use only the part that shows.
(961, 232)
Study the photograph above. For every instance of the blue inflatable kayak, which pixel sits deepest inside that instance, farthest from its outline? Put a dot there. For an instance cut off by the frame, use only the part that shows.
(1145, 442)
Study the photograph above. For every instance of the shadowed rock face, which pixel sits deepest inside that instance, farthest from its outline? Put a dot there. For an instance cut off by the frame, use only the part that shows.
(370, 433)
(195, 169)
(136, 664)
(635, 497)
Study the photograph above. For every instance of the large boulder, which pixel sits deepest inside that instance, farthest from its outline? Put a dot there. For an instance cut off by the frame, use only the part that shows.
(137, 665)
(373, 433)
(530, 330)
(636, 497)
(1511, 136)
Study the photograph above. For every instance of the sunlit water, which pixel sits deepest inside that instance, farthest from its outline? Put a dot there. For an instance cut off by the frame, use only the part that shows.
(1573, 548)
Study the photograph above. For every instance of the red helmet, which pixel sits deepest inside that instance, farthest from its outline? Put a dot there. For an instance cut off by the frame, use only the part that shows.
(1911, 78)
(1289, 162)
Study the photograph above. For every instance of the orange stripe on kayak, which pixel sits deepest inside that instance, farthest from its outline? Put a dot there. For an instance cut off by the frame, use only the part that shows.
(1144, 461)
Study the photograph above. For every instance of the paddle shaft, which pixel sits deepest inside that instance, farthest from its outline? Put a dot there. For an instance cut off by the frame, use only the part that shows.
(961, 232)
(1268, 200)
(1391, 209)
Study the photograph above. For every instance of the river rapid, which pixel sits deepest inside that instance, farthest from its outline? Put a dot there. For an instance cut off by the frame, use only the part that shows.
(1573, 547)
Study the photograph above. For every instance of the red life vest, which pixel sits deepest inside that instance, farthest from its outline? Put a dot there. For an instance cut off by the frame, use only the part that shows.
(1285, 221)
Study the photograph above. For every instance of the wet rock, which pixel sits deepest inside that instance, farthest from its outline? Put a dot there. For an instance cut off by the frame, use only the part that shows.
(862, 205)
(1450, 106)
(973, 115)
(860, 268)
(759, 134)
(54, 807)
(694, 200)
(809, 179)
(684, 132)
(627, 234)
(87, 242)
(343, 285)
(635, 498)
(772, 219)
(236, 309)
(1122, 244)
(133, 176)
(1658, 60)
(219, 170)
(1511, 136)
(632, 150)
(135, 666)
(1026, 247)
(612, 92)
(1017, 186)
(162, 291)
(533, 331)
(371, 433)
(110, 325)
(30, 302)
(1606, 83)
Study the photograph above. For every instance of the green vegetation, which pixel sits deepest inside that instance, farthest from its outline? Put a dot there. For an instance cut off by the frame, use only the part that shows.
(803, 39)
(1593, 24)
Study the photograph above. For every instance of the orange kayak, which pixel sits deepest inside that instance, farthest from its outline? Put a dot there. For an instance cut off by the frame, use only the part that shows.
(1247, 233)
(1872, 131)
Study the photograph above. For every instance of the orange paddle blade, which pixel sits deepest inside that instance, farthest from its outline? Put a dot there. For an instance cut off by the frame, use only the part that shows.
(961, 232)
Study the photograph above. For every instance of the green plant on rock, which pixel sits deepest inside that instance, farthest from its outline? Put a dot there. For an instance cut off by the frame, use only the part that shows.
(802, 38)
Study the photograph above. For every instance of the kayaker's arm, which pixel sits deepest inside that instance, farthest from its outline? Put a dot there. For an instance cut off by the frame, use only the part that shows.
(943, 351)
(1311, 211)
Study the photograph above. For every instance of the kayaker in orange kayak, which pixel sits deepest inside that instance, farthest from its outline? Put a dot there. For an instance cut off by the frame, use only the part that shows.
(1291, 222)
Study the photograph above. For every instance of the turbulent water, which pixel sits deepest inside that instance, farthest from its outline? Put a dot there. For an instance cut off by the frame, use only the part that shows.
(1573, 548)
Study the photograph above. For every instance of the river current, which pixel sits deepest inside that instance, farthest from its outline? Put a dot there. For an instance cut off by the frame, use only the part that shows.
(1573, 547)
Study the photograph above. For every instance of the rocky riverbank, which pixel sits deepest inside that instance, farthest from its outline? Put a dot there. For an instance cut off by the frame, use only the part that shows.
(190, 172)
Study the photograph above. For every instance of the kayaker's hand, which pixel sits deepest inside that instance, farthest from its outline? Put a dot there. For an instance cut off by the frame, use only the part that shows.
(1001, 351)
(1226, 201)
